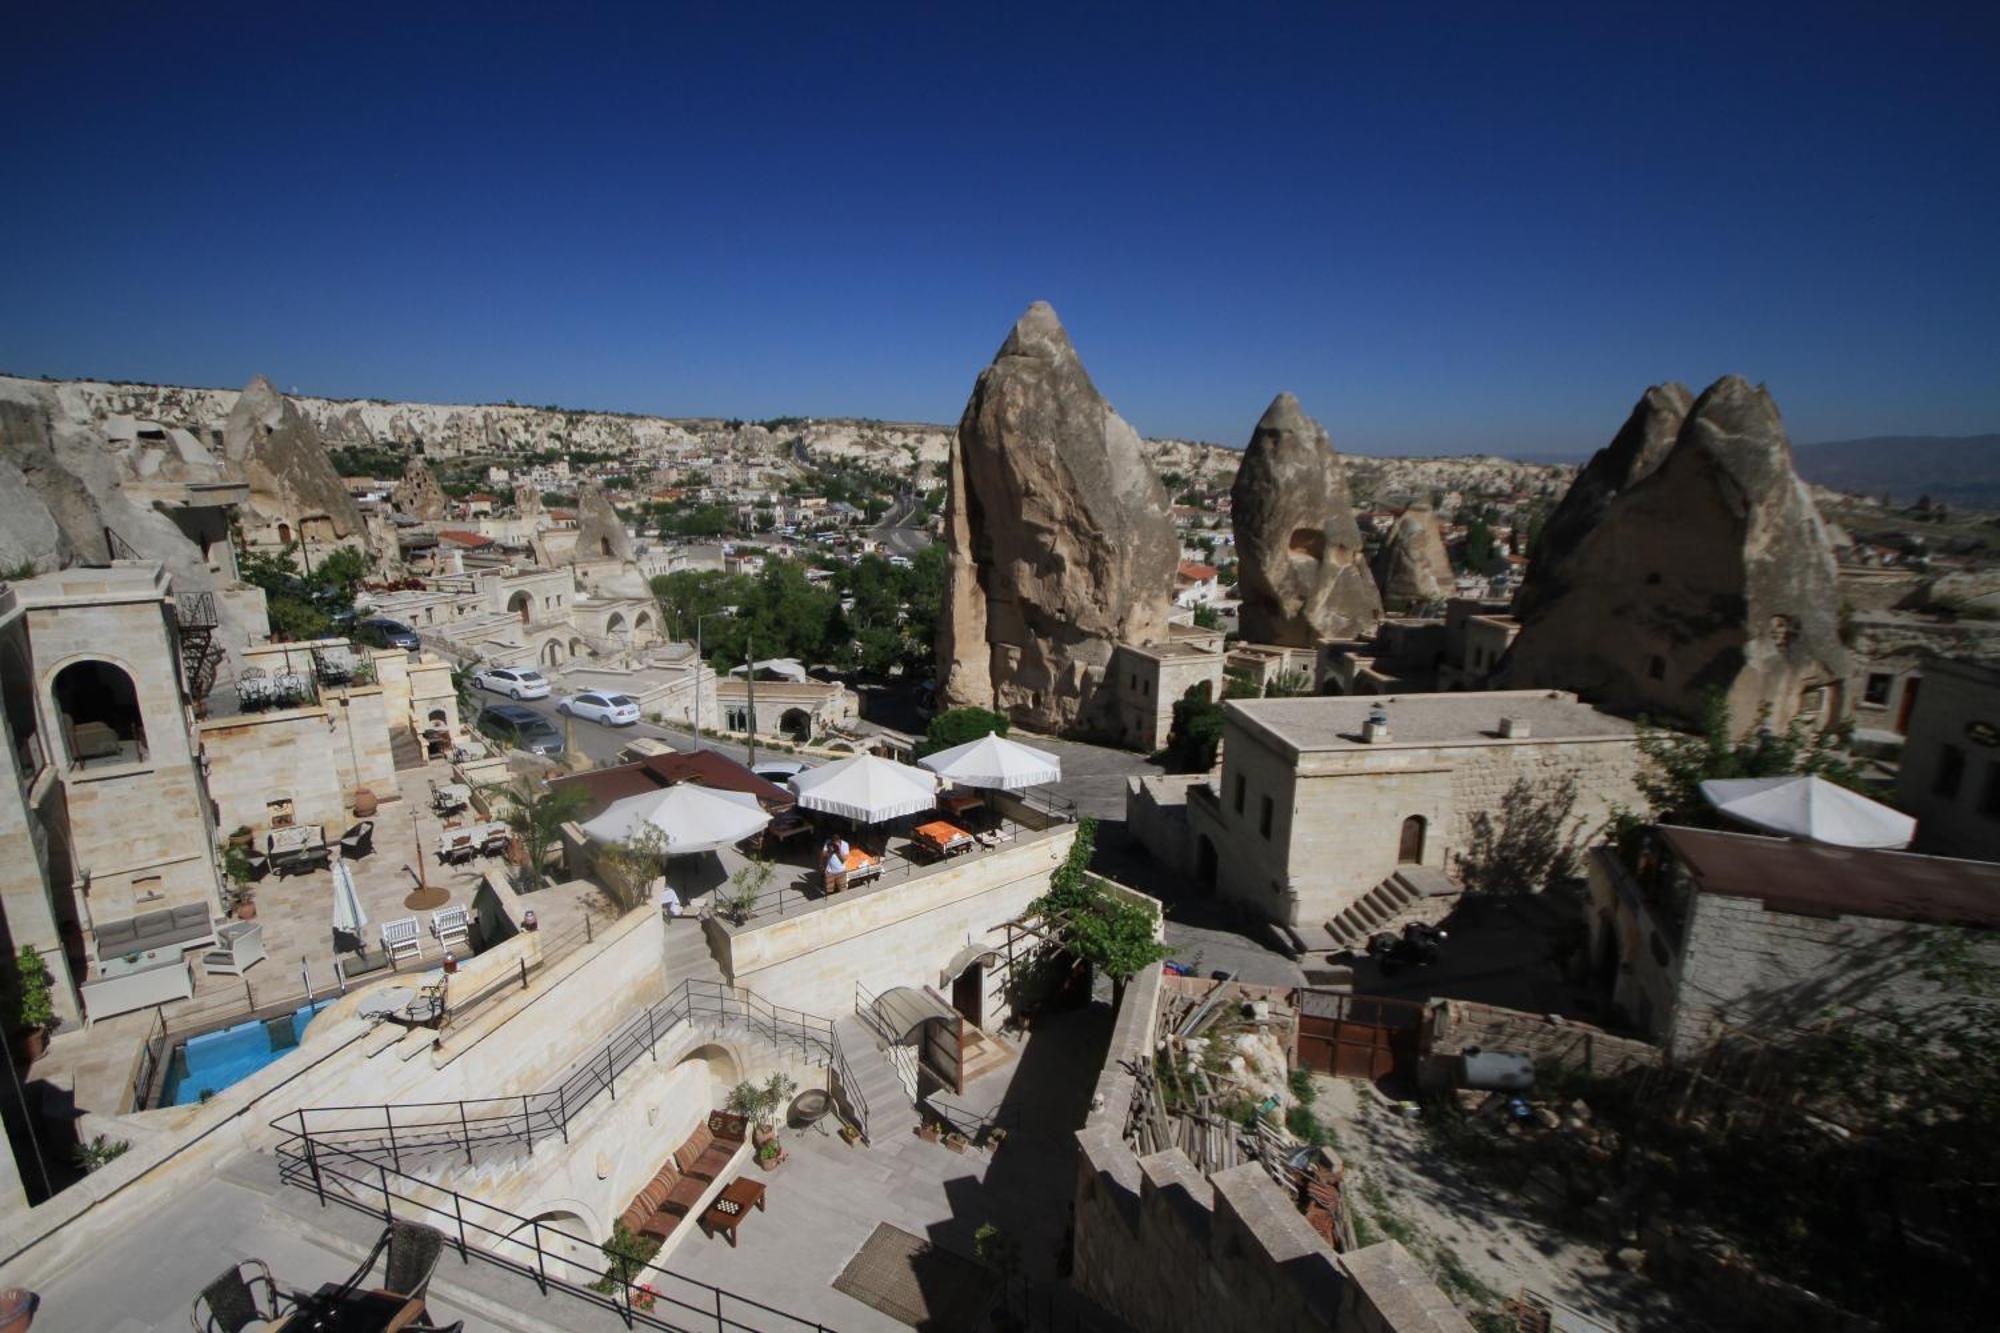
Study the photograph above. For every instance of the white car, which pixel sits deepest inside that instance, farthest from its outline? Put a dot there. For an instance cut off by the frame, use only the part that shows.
(514, 682)
(613, 710)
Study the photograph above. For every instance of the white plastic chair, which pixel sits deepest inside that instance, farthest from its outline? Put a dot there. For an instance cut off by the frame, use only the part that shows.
(451, 926)
(401, 937)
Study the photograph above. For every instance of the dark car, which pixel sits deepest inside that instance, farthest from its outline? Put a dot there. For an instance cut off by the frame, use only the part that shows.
(392, 633)
(522, 728)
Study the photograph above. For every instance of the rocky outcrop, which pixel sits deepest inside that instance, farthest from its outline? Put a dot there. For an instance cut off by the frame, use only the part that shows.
(418, 493)
(1634, 452)
(1413, 568)
(279, 452)
(600, 533)
(1300, 570)
(1711, 573)
(1061, 547)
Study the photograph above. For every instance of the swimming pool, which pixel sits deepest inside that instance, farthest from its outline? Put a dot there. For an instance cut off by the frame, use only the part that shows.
(214, 1060)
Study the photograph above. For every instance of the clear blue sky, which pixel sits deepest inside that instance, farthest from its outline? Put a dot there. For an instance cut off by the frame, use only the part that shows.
(1445, 228)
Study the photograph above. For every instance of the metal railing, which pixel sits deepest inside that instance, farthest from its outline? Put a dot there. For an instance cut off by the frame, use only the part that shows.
(412, 1130)
(526, 1246)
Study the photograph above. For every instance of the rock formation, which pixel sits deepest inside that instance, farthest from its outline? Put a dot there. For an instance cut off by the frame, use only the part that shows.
(418, 493)
(1061, 546)
(600, 533)
(1413, 567)
(1300, 570)
(278, 450)
(1637, 449)
(1711, 573)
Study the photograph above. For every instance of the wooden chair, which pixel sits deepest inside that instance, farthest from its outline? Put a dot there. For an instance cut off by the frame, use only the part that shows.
(401, 938)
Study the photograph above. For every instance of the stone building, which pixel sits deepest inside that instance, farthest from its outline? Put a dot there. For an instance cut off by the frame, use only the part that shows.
(1318, 800)
(1950, 775)
(1713, 932)
(1148, 680)
(108, 818)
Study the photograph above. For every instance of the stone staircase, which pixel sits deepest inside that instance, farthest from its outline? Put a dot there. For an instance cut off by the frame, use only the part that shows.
(1413, 891)
(688, 955)
(983, 1054)
(891, 1112)
(405, 749)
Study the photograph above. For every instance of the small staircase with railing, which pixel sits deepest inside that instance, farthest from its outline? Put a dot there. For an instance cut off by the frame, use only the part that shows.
(886, 1074)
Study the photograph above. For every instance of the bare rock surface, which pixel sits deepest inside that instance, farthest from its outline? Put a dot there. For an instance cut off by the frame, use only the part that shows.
(1639, 447)
(1061, 545)
(1413, 567)
(418, 493)
(1713, 572)
(1300, 570)
(279, 452)
(600, 533)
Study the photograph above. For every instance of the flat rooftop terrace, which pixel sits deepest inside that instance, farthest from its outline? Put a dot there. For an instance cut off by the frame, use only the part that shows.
(1335, 722)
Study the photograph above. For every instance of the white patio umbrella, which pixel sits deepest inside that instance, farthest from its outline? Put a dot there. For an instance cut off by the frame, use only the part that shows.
(995, 761)
(349, 916)
(1812, 808)
(867, 788)
(691, 818)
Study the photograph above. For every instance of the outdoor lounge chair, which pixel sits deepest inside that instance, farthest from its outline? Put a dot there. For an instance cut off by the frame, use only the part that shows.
(413, 1251)
(451, 926)
(401, 938)
(358, 841)
(229, 1303)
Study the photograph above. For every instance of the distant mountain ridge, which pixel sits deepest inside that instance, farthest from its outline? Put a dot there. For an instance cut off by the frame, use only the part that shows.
(1960, 469)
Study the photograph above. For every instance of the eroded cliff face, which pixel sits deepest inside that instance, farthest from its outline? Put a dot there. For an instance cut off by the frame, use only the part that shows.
(418, 493)
(278, 450)
(1639, 447)
(1712, 572)
(1061, 545)
(1413, 567)
(1300, 569)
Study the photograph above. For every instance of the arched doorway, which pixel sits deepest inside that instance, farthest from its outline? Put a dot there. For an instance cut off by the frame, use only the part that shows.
(1410, 850)
(615, 625)
(577, 647)
(1204, 865)
(284, 534)
(563, 1237)
(604, 546)
(644, 621)
(551, 653)
(97, 709)
(797, 723)
(724, 1071)
(521, 604)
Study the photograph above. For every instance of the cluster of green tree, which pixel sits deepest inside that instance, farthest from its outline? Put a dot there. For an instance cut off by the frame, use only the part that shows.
(576, 457)
(683, 520)
(956, 726)
(781, 613)
(1094, 926)
(368, 460)
(1196, 732)
(302, 606)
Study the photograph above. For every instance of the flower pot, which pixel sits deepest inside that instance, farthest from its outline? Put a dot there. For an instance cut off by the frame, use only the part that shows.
(31, 1043)
(242, 839)
(928, 1133)
(364, 803)
(246, 910)
(762, 1135)
(956, 1143)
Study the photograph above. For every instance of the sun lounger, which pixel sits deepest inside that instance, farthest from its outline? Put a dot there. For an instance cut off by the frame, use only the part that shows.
(451, 926)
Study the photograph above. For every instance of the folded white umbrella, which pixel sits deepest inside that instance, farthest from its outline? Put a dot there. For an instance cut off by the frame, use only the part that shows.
(1812, 808)
(690, 817)
(995, 761)
(348, 913)
(866, 787)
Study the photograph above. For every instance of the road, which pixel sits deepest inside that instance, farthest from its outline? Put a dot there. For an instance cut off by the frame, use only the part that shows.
(896, 532)
(602, 743)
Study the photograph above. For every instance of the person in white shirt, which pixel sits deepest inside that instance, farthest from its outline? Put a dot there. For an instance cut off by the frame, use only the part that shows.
(836, 870)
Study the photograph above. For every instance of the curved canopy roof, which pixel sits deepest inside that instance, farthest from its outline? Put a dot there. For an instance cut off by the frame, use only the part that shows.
(995, 761)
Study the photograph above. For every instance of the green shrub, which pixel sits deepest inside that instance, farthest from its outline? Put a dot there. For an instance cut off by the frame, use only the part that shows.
(956, 726)
(1302, 1086)
(35, 1003)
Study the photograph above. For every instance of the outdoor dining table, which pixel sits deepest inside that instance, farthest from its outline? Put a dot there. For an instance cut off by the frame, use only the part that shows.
(959, 802)
(861, 867)
(451, 796)
(942, 838)
(470, 840)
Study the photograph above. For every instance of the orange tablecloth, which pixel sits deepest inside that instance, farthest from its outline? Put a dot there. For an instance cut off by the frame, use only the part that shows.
(940, 835)
(858, 859)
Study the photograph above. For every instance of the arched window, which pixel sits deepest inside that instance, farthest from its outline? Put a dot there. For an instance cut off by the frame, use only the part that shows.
(98, 712)
(522, 605)
(616, 624)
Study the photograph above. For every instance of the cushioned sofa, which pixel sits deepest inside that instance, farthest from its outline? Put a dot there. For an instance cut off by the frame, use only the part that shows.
(186, 926)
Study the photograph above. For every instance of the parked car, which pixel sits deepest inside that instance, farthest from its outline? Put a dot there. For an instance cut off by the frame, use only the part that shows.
(613, 710)
(391, 633)
(521, 728)
(514, 682)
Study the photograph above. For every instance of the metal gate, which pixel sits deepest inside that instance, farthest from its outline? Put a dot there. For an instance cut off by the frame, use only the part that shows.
(1359, 1036)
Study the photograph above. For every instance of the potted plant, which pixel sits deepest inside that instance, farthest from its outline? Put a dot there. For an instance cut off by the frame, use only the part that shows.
(759, 1103)
(850, 1135)
(928, 1132)
(995, 1136)
(955, 1141)
(34, 1010)
(770, 1153)
(242, 837)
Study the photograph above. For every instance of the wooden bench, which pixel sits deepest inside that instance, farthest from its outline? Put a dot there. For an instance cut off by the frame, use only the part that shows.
(678, 1186)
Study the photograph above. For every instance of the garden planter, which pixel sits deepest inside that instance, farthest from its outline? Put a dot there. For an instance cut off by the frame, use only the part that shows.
(31, 1044)
(364, 803)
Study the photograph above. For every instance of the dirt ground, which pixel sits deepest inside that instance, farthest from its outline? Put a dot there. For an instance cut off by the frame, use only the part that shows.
(1480, 1243)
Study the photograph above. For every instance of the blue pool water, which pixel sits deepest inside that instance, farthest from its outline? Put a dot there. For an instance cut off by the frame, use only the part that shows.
(214, 1060)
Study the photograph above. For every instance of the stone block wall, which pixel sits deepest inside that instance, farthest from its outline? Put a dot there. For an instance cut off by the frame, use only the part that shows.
(1156, 817)
(259, 758)
(1163, 1248)
(900, 935)
(1458, 1025)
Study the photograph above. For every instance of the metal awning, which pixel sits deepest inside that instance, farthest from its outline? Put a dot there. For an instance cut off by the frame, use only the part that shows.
(905, 1009)
(966, 957)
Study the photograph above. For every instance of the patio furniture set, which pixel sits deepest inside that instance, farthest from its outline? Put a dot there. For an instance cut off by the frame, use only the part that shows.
(459, 843)
(402, 938)
(245, 1297)
(301, 849)
(258, 689)
(686, 1176)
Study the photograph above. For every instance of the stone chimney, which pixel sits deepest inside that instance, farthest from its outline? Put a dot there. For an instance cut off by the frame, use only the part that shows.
(1514, 728)
(1375, 731)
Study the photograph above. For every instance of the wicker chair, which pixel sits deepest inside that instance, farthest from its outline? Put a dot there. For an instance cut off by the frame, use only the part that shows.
(413, 1257)
(229, 1304)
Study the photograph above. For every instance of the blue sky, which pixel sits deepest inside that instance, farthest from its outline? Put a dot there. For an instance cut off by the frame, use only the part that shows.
(1446, 228)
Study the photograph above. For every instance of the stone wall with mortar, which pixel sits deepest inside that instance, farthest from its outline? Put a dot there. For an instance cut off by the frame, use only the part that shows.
(1455, 1026)
(901, 935)
(1161, 1247)
(256, 759)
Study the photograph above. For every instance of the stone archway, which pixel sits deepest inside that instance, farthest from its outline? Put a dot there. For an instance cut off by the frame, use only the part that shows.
(522, 605)
(578, 648)
(562, 1232)
(552, 652)
(97, 713)
(797, 723)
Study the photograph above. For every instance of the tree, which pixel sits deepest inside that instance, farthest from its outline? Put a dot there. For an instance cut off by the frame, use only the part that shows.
(956, 726)
(1677, 763)
(1207, 617)
(1111, 933)
(627, 869)
(1531, 840)
(536, 812)
(1196, 731)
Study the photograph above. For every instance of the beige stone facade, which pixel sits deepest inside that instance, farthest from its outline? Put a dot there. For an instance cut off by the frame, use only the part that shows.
(1149, 680)
(1950, 776)
(1307, 813)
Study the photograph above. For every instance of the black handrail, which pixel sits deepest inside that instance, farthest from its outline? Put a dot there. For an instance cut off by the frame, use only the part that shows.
(312, 1166)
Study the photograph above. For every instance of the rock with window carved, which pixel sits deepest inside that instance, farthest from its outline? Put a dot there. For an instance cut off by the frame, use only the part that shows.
(293, 484)
(1301, 573)
(1711, 572)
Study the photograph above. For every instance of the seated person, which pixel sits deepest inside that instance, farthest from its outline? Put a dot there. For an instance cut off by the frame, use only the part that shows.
(670, 902)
